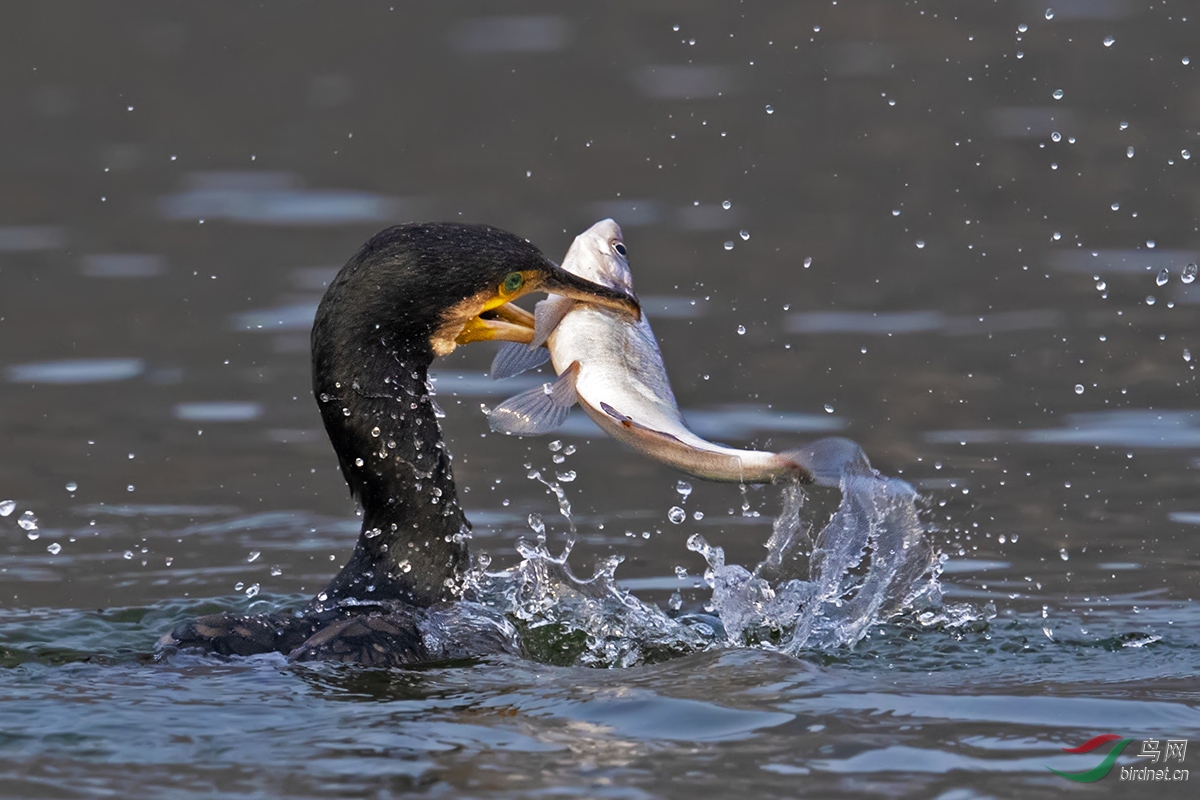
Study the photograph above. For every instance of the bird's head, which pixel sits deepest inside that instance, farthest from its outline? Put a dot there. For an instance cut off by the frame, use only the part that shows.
(429, 287)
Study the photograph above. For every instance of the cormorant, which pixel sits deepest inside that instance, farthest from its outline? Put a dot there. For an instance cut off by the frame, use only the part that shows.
(411, 293)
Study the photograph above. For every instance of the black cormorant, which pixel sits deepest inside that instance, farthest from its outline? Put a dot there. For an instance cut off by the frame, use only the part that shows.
(411, 293)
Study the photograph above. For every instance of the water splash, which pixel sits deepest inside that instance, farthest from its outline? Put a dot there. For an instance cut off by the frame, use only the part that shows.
(871, 561)
(591, 622)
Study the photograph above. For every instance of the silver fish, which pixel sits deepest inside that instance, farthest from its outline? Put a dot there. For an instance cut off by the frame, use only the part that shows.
(612, 366)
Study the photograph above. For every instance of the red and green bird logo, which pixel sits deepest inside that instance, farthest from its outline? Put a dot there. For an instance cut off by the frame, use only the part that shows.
(1100, 770)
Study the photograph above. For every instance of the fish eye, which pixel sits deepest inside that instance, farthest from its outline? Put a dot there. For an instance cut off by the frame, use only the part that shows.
(512, 282)
(620, 248)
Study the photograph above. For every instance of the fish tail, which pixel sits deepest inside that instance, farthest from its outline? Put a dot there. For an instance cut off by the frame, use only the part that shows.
(825, 462)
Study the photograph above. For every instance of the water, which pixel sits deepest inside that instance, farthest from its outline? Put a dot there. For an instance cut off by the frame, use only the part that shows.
(159, 272)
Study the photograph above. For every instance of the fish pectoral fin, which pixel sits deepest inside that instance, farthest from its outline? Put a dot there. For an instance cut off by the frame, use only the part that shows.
(539, 410)
(547, 314)
(515, 358)
(629, 422)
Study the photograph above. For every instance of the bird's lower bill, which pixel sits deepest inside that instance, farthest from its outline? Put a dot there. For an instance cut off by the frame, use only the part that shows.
(508, 323)
(501, 323)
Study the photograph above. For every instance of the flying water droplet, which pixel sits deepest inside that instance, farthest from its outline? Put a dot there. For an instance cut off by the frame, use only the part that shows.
(828, 408)
(254, 554)
(677, 515)
(1129, 151)
(1189, 273)
(741, 330)
(7, 507)
(920, 244)
(1057, 94)
(252, 590)
(1062, 553)
(1109, 41)
(54, 548)
(729, 245)
(566, 476)
(745, 234)
(770, 110)
(72, 486)
(1049, 13)
(1164, 275)
(1187, 354)
(28, 522)
(1079, 388)
(727, 205)
(684, 488)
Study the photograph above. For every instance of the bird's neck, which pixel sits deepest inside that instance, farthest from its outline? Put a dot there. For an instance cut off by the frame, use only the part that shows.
(383, 424)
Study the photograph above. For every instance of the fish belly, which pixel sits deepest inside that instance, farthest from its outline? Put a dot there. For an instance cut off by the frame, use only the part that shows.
(622, 384)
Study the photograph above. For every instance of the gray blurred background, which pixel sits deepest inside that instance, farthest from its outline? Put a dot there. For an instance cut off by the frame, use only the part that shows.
(908, 208)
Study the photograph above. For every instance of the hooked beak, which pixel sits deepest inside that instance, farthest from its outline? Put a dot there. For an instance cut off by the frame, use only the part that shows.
(559, 281)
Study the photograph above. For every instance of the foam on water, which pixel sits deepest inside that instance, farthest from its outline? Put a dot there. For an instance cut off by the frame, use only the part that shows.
(871, 561)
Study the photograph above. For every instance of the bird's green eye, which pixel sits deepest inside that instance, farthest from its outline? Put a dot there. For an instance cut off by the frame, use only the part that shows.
(513, 282)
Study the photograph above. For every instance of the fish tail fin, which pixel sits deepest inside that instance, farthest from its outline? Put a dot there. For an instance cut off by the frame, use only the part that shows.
(825, 462)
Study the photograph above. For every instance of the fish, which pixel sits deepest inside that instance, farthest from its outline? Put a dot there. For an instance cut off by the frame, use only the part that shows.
(612, 366)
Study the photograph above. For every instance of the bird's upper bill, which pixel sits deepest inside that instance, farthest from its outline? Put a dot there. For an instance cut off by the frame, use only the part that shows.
(490, 315)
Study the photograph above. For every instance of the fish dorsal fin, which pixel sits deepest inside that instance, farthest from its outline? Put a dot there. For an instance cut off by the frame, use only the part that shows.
(629, 422)
(539, 410)
(515, 358)
(547, 315)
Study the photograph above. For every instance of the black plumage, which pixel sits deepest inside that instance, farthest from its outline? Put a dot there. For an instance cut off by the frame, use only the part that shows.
(407, 295)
